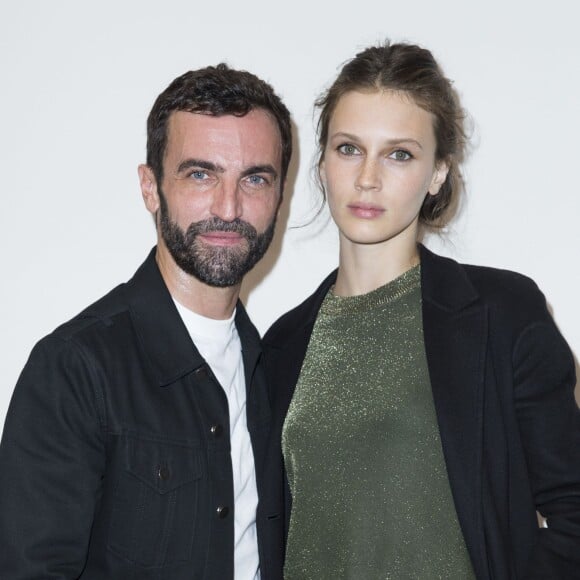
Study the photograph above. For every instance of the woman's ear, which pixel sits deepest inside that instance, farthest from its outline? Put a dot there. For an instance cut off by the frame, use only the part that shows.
(322, 173)
(439, 177)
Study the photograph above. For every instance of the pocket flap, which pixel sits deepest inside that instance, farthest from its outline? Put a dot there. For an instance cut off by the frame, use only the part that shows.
(161, 464)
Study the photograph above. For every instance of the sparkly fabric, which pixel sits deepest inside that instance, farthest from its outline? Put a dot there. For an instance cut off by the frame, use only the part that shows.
(371, 496)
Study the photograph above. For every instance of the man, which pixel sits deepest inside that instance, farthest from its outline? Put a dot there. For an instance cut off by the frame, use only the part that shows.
(135, 442)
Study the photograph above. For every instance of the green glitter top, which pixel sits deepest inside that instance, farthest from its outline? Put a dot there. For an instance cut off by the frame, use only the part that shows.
(371, 496)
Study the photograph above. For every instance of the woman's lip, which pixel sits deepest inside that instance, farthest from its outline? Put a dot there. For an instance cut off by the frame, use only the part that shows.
(218, 238)
(365, 210)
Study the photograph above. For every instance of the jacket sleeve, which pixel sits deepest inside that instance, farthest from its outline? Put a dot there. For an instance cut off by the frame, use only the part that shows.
(51, 464)
(549, 422)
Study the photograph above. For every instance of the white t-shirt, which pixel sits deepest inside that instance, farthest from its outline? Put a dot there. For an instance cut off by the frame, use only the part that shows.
(219, 344)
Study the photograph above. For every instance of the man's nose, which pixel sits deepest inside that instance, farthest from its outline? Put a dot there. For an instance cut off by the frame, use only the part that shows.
(226, 203)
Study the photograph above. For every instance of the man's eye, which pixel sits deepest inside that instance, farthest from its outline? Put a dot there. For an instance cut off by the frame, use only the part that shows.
(400, 155)
(347, 149)
(256, 180)
(198, 174)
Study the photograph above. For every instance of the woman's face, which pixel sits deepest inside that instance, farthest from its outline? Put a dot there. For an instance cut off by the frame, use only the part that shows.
(378, 166)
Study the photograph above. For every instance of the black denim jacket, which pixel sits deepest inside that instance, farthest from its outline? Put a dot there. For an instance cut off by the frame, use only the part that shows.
(115, 458)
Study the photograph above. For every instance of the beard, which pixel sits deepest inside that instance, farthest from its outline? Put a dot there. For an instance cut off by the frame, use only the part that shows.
(218, 266)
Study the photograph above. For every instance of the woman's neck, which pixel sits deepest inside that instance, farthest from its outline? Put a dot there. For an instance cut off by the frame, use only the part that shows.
(366, 267)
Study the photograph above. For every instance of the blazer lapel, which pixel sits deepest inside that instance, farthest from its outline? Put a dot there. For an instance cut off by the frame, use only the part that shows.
(455, 331)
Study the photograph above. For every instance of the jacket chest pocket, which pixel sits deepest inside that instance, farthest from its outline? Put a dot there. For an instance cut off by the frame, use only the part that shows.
(154, 519)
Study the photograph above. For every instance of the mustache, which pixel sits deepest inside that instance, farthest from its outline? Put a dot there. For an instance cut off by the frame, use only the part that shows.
(216, 224)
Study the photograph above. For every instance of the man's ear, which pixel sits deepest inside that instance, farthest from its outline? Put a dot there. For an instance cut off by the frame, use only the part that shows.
(281, 195)
(439, 177)
(148, 188)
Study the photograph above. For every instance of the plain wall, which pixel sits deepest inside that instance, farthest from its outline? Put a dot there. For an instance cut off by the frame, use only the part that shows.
(78, 81)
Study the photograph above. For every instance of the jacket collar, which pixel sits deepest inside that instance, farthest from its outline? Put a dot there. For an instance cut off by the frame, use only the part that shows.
(162, 333)
(444, 282)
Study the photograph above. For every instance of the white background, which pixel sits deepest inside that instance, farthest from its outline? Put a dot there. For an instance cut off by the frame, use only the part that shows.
(78, 80)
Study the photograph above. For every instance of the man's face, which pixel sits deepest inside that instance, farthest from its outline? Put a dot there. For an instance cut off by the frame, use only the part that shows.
(218, 202)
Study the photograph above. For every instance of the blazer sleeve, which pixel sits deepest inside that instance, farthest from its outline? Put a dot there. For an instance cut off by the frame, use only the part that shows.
(549, 423)
(51, 461)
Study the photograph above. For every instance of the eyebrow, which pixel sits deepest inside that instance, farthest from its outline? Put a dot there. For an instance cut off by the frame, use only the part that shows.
(260, 169)
(397, 141)
(202, 164)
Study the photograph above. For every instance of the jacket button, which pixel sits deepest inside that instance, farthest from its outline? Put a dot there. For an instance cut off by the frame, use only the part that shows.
(223, 511)
(163, 473)
(201, 373)
(216, 430)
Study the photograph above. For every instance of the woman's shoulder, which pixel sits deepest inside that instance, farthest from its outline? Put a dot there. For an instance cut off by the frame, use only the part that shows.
(499, 282)
(506, 288)
(444, 276)
(513, 300)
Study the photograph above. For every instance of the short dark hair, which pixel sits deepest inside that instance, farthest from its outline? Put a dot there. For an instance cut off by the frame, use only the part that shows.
(214, 90)
(413, 70)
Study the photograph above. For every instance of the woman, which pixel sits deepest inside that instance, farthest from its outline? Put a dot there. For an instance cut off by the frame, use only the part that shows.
(425, 408)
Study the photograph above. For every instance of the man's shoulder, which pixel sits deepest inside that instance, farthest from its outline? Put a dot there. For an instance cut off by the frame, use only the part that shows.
(96, 328)
(101, 313)
(111, 309)
(87, 341)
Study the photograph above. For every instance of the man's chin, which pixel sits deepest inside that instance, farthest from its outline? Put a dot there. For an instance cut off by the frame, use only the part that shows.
(216, 265)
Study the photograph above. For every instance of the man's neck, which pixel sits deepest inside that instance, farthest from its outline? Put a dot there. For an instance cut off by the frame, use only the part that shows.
(209, 301)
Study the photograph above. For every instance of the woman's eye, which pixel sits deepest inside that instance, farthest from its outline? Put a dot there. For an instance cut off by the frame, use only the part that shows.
(400, 155)
(348, 149)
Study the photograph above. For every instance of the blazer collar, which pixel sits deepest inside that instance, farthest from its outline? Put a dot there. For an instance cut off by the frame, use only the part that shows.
(444, 282)
(162, 333)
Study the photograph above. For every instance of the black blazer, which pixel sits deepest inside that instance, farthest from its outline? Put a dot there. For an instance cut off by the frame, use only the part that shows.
(115, 458)
(503, 383)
